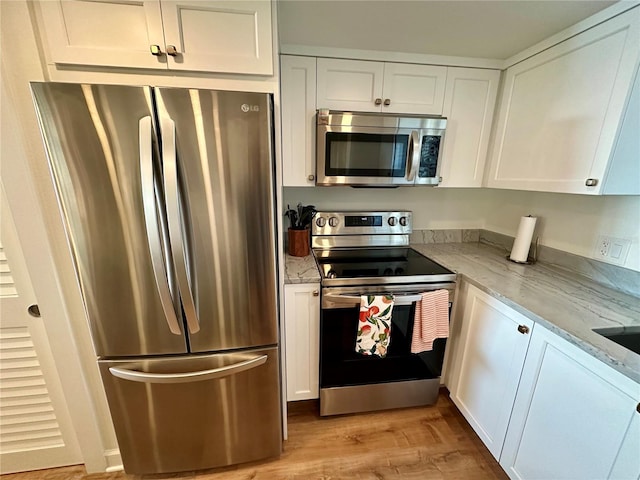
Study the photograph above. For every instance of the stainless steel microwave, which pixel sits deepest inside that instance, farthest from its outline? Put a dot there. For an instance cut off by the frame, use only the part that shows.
(369, 149)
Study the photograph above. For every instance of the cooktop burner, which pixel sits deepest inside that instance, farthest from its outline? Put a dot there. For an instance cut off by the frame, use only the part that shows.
(350, 266)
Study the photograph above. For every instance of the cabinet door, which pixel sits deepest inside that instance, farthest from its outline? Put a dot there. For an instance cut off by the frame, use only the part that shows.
(298, 103)
(349, 85)
(415, 89)
(219, 36)
(627, 463)
(112, 33)
(302, 333)
(469, 104)
(571, 415)
(623, 173)
(560, 110)
(491, 352)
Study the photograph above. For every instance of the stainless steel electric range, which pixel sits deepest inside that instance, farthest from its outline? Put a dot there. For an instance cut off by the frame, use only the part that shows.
(368, 253)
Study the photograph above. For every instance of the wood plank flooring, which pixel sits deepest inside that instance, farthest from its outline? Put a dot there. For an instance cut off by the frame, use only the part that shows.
(425, 443)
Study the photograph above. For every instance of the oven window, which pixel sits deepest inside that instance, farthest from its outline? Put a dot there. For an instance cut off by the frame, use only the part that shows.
(366, 154)
(340, 365)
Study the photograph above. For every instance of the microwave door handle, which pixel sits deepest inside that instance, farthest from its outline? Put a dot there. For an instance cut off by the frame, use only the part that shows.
(413, 156)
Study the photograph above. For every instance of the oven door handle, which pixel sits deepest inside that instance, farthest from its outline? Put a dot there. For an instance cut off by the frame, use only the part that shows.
(355, 299)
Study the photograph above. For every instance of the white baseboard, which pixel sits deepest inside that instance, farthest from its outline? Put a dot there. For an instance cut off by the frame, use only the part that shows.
(113, 459)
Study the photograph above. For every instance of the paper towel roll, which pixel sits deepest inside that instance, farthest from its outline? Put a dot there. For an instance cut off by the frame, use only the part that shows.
(522, 243)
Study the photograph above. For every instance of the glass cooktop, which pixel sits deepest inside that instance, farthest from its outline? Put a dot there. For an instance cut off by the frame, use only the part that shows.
(356, 266)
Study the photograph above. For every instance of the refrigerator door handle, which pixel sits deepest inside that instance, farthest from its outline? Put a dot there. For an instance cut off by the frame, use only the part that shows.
(151, 224)
(172, 194)
(144, 377)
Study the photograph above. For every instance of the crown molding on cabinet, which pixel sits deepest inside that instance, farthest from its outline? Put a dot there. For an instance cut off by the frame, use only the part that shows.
(592, 21)
(381, 56)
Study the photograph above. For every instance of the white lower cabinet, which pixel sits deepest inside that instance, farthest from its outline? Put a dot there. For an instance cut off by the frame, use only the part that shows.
(573, 418)
(302, 340)
(546, 409)
(490, 352)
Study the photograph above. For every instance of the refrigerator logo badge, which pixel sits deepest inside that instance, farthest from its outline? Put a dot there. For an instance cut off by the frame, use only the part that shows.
(250, 108)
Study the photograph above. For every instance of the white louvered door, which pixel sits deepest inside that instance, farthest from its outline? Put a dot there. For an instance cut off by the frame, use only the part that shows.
(35, 426)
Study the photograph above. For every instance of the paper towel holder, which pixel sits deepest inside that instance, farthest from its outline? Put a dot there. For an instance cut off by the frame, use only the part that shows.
(530, 260)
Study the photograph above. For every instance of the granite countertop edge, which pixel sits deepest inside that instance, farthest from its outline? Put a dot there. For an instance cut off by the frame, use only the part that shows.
(565, 303)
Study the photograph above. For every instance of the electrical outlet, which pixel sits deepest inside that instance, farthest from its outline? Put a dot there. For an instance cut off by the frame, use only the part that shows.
(612, 250)
(604, 243)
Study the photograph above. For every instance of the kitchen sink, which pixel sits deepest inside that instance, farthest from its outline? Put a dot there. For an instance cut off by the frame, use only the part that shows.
(628, 337)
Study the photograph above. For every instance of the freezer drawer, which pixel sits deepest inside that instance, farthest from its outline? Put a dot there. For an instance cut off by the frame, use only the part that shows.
(195, 412)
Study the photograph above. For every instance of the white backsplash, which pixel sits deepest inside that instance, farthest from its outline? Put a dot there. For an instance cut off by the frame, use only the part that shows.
(570, 223)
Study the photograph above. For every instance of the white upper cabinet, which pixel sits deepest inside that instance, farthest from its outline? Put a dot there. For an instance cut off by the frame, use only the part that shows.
(561, 111)
(411, 88)
(298, 107)
(109, 33)
(364, 86)
(469, 104)
(211, 36)
(219, 36)
(349, 85)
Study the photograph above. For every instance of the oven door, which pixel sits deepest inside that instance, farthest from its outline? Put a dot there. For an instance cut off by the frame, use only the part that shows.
(341, 365)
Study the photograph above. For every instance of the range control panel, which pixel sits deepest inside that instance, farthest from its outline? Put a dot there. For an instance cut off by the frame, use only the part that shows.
(362, 223)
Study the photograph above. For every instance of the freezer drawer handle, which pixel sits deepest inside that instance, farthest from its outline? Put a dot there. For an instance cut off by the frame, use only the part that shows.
(144, 377)
(178, 246)
(151, 224)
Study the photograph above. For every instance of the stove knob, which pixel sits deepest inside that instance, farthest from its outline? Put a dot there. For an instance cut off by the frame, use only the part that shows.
(392, 221)
(403, 221)
(399, 271)
(333, 221)
(321, 221)
(332, 274)
(387, 271)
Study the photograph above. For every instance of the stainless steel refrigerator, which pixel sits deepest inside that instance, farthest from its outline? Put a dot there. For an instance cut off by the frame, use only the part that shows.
(167, 197)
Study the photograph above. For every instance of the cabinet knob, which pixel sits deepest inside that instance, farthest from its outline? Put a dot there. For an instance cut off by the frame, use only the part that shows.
(34, 311)
(523, 329)
(387, 102)
(638, 408)
(311, 178)
(156, 50)
(378, 101)
(171, 50)
(591, 182)
(315, 293)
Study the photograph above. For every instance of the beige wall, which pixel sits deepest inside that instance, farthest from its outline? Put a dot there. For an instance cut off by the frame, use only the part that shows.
(567, 222)
(32, 201)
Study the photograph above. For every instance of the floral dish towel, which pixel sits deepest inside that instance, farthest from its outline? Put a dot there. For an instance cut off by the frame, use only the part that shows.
(374, 327)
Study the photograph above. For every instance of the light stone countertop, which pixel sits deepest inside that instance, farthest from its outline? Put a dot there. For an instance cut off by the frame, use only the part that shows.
(300, 269)
(564, 302)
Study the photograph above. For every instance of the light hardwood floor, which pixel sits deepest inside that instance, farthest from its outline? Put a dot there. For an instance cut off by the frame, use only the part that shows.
(425, 443)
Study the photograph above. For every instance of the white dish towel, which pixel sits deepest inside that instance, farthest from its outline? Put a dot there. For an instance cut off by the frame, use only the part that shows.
(374, 326)
(431, 320)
